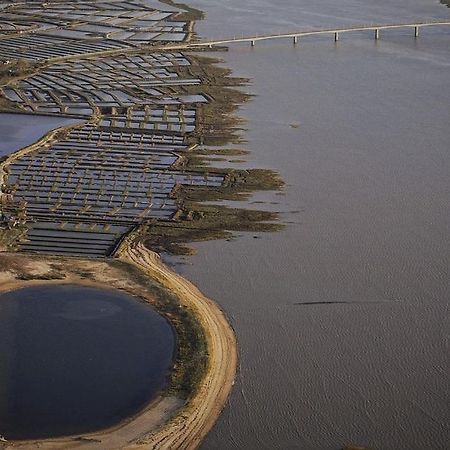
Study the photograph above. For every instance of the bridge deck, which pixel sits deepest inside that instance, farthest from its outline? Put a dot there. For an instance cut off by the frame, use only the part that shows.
(297, 34)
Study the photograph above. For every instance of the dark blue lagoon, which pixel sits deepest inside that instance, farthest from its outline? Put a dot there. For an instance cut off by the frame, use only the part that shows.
(76, 359)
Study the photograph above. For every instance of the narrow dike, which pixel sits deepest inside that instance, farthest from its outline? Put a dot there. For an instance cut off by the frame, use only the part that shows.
(192, 424)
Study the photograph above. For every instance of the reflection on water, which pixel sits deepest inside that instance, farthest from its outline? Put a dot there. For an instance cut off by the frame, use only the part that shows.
(76, 359)
(367, 205)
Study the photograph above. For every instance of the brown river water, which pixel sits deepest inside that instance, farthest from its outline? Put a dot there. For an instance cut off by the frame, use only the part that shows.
(342, 318)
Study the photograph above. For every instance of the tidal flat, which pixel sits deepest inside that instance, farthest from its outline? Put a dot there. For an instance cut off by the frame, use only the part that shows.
(340, 317)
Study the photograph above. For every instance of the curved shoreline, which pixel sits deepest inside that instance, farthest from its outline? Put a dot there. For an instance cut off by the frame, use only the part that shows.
(167, 422)
(187, 430)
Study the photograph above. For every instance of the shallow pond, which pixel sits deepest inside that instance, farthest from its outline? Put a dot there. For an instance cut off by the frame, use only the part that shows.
(77, 359)
(19, 130)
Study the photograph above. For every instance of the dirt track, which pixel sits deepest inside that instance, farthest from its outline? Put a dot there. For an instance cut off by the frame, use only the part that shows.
(188, 429)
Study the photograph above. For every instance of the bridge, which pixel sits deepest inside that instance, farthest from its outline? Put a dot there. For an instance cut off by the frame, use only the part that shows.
(295, 36)
(335, 33)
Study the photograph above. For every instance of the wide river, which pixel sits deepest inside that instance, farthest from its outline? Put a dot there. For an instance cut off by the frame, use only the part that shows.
(367, 170)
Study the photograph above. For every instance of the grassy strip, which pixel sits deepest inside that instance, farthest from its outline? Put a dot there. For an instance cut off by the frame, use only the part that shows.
(190, 360)
(197, 221)
(190, 13)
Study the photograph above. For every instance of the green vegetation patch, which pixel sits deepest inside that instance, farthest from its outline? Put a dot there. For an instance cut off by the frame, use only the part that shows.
(207, 222)
(216, 126)
(52, 275)
(191, 357)
(10, 238)
(197, 221)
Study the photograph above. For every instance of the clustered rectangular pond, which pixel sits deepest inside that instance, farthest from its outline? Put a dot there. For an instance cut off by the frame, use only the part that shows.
(84, 188)
(55, 29)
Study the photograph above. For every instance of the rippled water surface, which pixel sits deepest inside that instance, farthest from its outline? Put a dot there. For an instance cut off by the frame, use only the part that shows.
(76, 359)
(342, 319)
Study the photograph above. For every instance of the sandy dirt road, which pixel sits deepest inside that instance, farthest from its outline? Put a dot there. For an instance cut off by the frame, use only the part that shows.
(188, 429)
